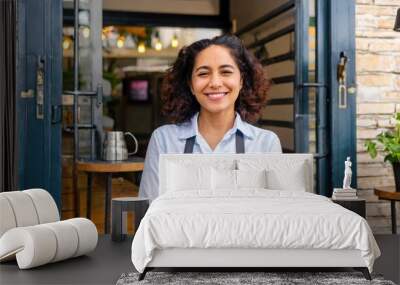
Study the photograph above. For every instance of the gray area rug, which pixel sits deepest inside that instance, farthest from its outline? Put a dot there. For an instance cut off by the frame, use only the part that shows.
(232, 278)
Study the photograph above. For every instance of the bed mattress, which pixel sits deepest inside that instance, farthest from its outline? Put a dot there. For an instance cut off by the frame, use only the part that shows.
(250, 219)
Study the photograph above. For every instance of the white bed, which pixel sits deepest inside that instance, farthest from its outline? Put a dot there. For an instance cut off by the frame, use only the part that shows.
(247, 210)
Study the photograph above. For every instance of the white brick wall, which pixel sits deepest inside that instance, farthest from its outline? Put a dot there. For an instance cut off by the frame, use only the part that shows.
(378, 98)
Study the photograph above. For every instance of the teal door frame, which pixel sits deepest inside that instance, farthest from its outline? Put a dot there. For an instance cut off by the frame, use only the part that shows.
(342, 120)
(322, 113)
(335, 127)
(39, 39)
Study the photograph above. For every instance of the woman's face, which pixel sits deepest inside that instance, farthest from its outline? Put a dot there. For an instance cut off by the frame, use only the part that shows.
(216, 79)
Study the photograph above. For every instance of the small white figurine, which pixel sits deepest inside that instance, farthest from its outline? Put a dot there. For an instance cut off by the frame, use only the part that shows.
(347, 174)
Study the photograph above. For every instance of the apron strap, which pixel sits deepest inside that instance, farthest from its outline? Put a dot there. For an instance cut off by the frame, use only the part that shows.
(189, 145)
(239, 142)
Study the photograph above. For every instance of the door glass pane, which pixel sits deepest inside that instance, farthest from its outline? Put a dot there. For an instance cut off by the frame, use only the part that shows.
(90, 68)
(312, 92)
(312, 78)
(68, 85)
(85, 76)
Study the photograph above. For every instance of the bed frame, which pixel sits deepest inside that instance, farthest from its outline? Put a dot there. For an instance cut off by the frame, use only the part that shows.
(242, 259)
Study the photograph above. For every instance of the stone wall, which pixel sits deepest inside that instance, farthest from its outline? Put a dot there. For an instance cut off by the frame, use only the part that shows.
(378, 98)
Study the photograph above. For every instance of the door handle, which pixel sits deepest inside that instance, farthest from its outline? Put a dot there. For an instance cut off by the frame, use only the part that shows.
(40, 73)
(56, 114)
(99, 92)
(27, 93)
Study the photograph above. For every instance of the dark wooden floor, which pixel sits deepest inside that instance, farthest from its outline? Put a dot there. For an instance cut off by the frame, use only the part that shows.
(110, 259)
(102, 266)
(389, 262)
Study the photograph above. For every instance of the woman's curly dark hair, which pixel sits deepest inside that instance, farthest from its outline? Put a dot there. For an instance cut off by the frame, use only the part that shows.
(179, 105)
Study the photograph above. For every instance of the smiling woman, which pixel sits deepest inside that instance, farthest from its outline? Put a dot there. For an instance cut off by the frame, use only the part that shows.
(215, 59)
(212, 92)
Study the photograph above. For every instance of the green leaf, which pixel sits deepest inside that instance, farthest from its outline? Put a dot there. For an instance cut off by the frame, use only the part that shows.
(394, 148)
(388, 158)
(390, 142)
(371, 148)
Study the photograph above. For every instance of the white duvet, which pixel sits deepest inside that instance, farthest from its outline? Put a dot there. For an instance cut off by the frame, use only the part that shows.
(253, 218)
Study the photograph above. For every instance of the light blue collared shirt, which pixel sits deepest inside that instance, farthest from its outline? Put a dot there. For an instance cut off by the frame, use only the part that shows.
(172, 138)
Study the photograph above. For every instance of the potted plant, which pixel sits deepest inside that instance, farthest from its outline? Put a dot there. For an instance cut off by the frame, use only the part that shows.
(390, 140)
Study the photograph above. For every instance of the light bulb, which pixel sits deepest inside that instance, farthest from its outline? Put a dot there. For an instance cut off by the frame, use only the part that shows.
(141, 48)
(66, 43)
(174, 42)
(158, 46)
(121, 42)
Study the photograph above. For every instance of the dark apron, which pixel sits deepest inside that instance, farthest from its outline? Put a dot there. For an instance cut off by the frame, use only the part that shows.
(239, 143)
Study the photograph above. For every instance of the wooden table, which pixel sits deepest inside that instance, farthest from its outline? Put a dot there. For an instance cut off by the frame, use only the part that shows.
(133, 164)
(389, 193)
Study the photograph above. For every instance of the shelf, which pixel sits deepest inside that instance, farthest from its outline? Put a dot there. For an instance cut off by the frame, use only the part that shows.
(132, 53)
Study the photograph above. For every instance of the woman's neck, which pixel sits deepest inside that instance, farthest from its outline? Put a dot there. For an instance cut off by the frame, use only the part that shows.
(213, 126)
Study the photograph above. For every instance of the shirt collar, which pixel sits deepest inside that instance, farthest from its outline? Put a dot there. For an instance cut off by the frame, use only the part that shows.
(190, 128)
(243, 127)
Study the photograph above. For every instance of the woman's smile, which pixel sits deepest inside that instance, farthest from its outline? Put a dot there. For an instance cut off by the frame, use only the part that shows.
(216, 96)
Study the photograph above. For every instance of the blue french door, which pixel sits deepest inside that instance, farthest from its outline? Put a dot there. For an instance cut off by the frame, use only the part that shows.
(39, 85)
(325, 106)
(342, 105)
(311, 88)
(300, 44)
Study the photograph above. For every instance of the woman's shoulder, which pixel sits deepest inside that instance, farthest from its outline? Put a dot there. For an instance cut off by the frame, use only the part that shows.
(170, 130)
(260, 132)
(164, 130)
(168, 138)
(263, 140)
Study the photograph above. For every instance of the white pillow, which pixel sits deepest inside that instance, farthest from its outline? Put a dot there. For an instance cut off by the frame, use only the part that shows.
(293, 179)
(223, 179)
(188, 177)
(251, 178)
(281, 174)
